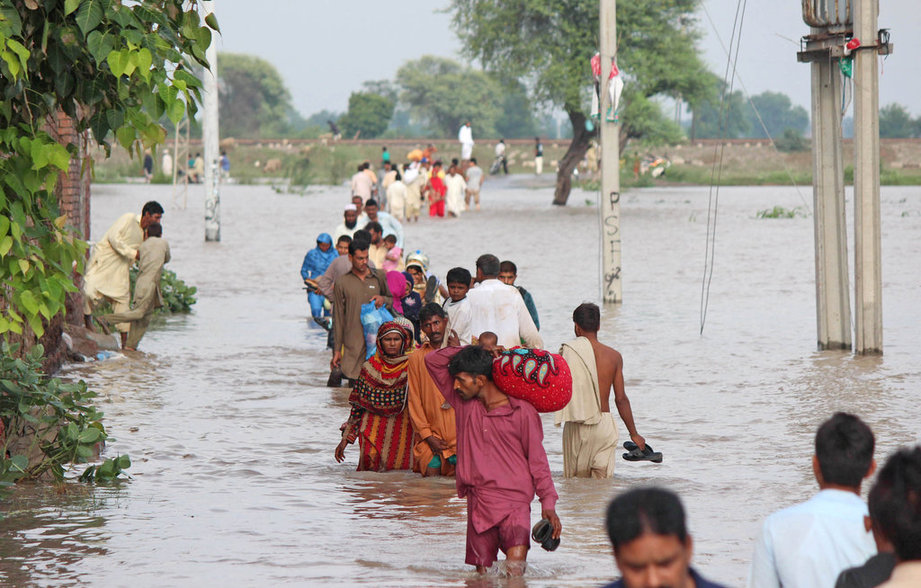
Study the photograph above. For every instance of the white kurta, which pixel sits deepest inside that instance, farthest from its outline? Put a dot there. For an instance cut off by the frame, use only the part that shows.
(396, 199)
(454, 199)
(499, 308)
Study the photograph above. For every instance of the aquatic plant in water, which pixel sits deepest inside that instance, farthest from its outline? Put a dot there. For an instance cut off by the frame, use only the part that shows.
(46, 424)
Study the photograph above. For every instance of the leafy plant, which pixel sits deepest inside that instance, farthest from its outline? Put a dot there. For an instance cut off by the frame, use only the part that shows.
(47, 423)
(114, 68)
(177, 296)
(781, 212)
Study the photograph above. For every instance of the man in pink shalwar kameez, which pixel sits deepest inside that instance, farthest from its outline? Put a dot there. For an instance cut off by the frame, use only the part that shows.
(501, 461)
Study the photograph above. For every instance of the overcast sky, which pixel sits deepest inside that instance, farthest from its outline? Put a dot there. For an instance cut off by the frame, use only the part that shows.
(326, 50)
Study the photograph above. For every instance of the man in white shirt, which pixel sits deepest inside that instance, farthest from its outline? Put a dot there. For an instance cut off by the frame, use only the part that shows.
(807, 545)
(497, 307)
(349, 223)
(465, 136)
(389, 224)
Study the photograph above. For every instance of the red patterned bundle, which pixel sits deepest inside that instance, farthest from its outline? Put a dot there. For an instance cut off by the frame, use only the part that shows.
(534, 375)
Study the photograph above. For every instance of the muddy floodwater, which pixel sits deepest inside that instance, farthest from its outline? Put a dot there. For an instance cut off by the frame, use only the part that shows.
(231, 429)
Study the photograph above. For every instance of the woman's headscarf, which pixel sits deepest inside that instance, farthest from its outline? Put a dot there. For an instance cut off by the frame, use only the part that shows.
(381, 387)
(397, 284)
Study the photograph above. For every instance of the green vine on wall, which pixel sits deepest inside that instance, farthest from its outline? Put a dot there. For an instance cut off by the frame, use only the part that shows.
(113, 68)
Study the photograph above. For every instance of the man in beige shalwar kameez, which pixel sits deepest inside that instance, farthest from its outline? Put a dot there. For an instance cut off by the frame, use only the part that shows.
(154, 254)
(106, 276)
(589, 430)
(350, 291)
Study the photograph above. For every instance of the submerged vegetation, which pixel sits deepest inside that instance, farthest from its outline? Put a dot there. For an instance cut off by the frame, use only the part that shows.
(781, 212)
(46, 424)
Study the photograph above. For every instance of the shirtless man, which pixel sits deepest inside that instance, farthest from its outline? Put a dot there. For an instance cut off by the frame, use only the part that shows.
(589, 432)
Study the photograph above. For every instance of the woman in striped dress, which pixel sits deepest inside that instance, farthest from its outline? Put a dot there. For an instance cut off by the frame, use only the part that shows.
(379, 419)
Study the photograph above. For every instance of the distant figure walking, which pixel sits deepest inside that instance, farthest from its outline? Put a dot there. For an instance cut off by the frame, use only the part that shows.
(538, 156)
(465, 136)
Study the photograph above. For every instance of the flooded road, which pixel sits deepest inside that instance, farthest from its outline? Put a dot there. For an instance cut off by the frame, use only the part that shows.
(231, 431)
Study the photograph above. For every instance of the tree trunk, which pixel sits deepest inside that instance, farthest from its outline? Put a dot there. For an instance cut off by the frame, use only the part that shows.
(575, 153)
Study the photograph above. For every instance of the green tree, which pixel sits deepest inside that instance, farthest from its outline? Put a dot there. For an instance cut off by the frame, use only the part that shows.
(778, 114)
(517, 119)
(113, 68)
(443, 94)
(895, 122)
(369, 114)
(253, 99)
(712, 120)
(549, 44)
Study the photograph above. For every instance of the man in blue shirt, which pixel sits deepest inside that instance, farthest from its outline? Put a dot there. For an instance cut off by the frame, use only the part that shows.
(652, 547)
(808, 544)
(315, 263)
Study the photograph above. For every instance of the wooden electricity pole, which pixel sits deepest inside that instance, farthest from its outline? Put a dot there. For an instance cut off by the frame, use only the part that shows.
(211, 138)
(612, 289)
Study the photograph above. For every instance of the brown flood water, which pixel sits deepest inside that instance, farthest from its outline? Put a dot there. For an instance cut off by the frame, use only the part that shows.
(231, 430)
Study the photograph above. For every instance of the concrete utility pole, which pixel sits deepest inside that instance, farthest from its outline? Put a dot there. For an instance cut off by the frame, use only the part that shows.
(867, 248)
(612, 289)
(211, 138)
(825, 47)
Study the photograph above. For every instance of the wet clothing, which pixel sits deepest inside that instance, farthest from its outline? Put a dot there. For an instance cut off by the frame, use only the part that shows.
(499, 308)
(349, 293)
(501, 461)
(437, 196)
(147, 296)
(396, 199)
(378, 418)
(107, 272)
(454, 197)
(414, 194)
(430, 414)
(699, 581)
(315, 263)
(810, 543)
(589, 435)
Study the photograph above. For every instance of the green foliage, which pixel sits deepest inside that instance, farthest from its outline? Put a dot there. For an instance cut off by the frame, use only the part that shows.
(781, 212)
(792, 141)
(48, 423)
(177, 296)
(715, 121)
(778, 114)
(254, 101)
(369, 114)
(517, 120)
(113, 68)
(444, 94)
(895, 121)
(548, 45)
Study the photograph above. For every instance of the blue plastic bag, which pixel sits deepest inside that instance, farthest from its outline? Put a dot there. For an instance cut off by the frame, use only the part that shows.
(371, 320)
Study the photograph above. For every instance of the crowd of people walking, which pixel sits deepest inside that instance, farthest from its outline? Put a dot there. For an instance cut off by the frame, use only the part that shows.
(423, 399)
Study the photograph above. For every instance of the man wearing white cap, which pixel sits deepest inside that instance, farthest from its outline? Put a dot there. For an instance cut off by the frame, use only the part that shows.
(349, 224)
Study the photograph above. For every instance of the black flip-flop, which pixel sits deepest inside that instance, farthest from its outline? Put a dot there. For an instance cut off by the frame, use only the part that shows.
(542, 533)
(634, 453)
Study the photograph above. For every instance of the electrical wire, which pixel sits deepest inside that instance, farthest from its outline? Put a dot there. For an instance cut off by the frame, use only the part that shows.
(717, 169)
